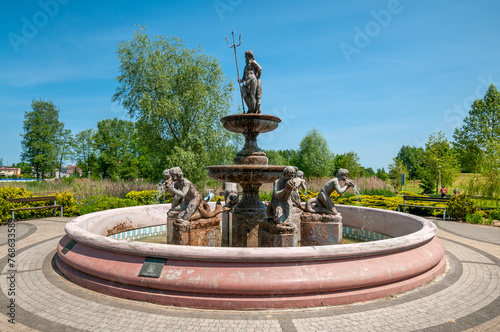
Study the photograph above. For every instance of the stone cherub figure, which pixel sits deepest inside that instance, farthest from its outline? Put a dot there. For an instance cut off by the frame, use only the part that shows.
(301, 184)
(280, 208)
(230, 194)
(323, 203)
(192, 206)
(251, 89)
(176, 201)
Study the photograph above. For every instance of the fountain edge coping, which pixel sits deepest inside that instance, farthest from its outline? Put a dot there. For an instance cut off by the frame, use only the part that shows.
(78, 230)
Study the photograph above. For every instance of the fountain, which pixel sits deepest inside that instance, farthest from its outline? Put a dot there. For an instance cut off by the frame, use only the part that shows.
(245, 276)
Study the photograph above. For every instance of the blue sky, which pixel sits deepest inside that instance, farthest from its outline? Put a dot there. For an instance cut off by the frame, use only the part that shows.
(371, 76)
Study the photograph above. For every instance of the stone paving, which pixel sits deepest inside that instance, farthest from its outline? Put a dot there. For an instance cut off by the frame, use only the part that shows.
(465, 298)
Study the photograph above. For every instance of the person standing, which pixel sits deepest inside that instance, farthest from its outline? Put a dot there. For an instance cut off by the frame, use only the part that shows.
(443, 192)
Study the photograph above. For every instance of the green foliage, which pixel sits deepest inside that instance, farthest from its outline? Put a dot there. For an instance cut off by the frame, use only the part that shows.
(481, 128)
(68, 201)
(461, 205)
(84, 151)
(495, 214)
(349, 161)
(474, 218)
(487, 183)
(149, 197)
(428, 186)
(410, 158)
(369, 172)
(378, 192)
(395, 170)
(114, 144)
(275, 158)
(178, 96)
(382, 174)
(4, 211)
(375, 201)
(266, 196)
(64, 147)
(101, 203)
(41, 136)
(14, 192)
(314, 157)
(438, 158)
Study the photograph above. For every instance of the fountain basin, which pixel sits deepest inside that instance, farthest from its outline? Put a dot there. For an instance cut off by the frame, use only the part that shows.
(243, 278)
(244, 123)
(245, 173)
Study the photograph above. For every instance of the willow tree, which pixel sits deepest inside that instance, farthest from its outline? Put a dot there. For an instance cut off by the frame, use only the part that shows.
(177, 96)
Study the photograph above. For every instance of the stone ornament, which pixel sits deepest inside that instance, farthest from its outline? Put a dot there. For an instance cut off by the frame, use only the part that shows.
(251, 89)
(301, 184)
(192, 206)
(323, 203)
(280, 209)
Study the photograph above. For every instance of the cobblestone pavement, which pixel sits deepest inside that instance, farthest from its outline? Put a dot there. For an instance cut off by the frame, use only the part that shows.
(466, 298)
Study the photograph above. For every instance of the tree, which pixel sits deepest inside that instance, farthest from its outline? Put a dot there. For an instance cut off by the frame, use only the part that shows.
(481, 129)
(275, 158)
(409, 157)
(39, 144)
(177, 95)
(114, 144)
(314, 157)
(395, 170)
(84, 153)
(25, 169)
(439, 160)
(64, 146)
(487, 182)
(349, 161)
(370, 172)
(382, 174)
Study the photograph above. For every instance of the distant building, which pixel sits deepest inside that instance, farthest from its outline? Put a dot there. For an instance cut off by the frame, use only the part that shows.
(70, 170)
(9, 171)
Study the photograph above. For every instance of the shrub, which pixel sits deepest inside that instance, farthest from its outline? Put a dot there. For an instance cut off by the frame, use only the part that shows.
(474, 218)
(495, 214)
(101, 203)
(148, 197)
(14, 192)
(4, 211)
(461, 205)
(68, 201)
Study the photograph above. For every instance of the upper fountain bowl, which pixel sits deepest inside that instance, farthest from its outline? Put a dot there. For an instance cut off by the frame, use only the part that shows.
(245, 123)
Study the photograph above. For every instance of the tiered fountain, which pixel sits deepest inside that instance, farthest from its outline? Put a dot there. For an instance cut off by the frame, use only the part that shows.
(408, 256)
(250, 170)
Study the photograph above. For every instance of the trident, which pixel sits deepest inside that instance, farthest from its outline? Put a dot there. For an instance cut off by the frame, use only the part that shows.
(237, 70)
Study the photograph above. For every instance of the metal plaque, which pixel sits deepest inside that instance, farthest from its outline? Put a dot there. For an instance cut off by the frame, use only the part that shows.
(68, 247)
(152, 267)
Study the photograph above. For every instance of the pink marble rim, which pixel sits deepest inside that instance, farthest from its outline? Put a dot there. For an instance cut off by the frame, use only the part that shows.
(90, 230)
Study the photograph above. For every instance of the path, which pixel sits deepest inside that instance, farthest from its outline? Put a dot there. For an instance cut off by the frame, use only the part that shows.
(466, 299)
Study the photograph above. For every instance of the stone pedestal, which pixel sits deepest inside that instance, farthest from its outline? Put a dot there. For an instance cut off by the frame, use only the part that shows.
(296, 213)
(226, 226)
(272, 235)
(320, 229)
(247, 215)
(171, 217)
(201, 232)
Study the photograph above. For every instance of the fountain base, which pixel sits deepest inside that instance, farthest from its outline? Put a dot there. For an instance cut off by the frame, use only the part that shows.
(272, 235)
(320, 229)
(202, 232)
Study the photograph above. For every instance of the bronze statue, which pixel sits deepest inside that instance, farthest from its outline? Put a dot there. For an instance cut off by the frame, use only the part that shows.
(192, 207)
(280, 208)
(324, 203)
(251, 90)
